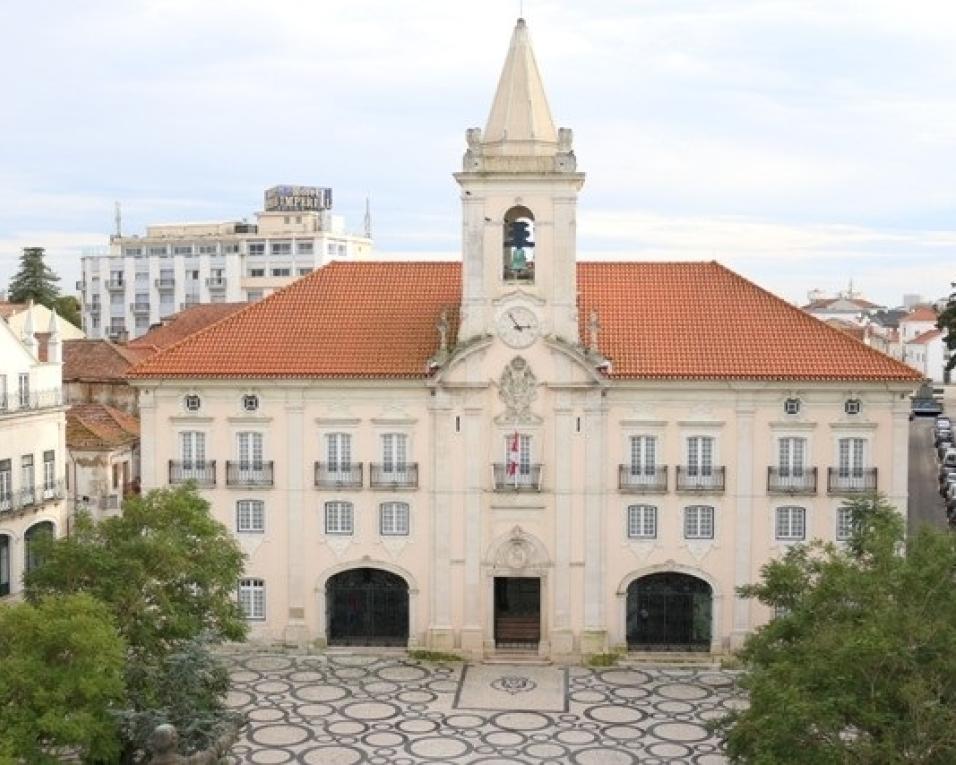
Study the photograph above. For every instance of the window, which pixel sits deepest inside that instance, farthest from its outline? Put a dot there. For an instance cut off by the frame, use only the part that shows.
(257, 248)
(304, 271)
(698, 522)
(850, 457)
(207, 249)
(49, 474)
(142, 322)
(232, 248)
(790, 453)
(338, 518)
(250, 402)
(24, 390)
(184, 249)
(281, 248)
(250, 515)
(253, 295)
(338, 452)
(304, 248)
(4, 565)
(791, 524)
(853, 406)
(27, 478)
(133, 252)
(844, 524)
(141, 300)
(257, 272)
(252, 598)
(157, 250)
(30, 557)
(281, 271)
(192, 445)
(643, 455)
(642, 522)
(116, 299)
(394, 452)
(249, 450)
(192, 402)
(393, 519)
(700, 456)
(791, 406)
(6, 485)
(3, 393)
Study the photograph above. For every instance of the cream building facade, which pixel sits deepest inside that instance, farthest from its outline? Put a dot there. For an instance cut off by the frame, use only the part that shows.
(520, 451)
(32, 448)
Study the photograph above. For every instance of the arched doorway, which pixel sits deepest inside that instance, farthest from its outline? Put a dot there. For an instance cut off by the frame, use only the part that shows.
(367, 606)
(669, 612)
(4, 564)
(31, 558)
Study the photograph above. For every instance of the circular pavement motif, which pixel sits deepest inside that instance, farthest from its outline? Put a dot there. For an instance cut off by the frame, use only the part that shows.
(438, 747)
(603, 756)
(369, 710)
(520, 720)
(614, 713)
(682, 691)
(282, 734)
(624, 677)
(679, 731)
(332, 755)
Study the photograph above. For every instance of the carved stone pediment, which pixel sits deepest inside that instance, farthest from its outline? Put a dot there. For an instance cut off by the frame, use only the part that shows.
(518, 552)
(517, 389)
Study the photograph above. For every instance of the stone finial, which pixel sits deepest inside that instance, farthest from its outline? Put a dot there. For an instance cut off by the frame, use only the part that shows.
(54, 348)
(594, 329)
(27, 335)
(443, 328)
(565, 140)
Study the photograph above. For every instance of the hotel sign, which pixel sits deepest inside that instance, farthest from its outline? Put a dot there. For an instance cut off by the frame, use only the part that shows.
(298, 198)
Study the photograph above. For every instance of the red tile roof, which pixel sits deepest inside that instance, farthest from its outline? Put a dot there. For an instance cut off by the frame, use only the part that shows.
(9, 309)
(927, 336)
(659, 320)
(97, 426)
(923, 313)
(822, 304)
(98, 361)
(182, 324)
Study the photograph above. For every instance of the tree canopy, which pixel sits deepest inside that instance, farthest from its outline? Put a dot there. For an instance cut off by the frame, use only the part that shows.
(947, 322)
(34, 280)
(68, 307)
(62, 680)
(859, 666)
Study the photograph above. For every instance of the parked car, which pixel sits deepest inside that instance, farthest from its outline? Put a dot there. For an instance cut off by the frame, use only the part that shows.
(947, 485)
(943, 421)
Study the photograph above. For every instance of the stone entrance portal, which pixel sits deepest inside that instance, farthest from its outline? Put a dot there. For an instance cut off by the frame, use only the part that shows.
(517, 613)
(669, 612)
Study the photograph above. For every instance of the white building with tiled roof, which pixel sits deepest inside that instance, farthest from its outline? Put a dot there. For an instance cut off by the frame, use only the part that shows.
(520, 451)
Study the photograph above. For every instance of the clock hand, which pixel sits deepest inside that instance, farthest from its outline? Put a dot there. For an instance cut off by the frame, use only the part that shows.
(515, 322)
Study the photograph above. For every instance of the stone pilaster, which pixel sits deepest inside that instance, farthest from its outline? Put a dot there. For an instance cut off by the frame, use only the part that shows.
(562, 641)
(440, 631)
(743, 531)
(594, 636)
(474, 610)
(296, 632)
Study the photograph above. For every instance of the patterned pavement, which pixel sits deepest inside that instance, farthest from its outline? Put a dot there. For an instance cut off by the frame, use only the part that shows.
(345, 709)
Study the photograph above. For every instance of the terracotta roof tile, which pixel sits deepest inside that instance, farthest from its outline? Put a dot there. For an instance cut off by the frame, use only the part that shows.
(182, 324)
(927, 336)
(9, 309)
(659, 320)
(97, 426)
(923, 313)
(98, 360)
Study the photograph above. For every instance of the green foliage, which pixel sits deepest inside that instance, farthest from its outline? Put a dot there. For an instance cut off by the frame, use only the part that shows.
(34, 280)
(68, 307)
(435, 656)
(185, 688)
(947, 322)
(165, 567)
(62, 679)
(603, 659)
(862, 668)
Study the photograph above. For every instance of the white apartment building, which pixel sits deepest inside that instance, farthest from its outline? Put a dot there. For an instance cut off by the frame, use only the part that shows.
(32, 449)
(144, 279)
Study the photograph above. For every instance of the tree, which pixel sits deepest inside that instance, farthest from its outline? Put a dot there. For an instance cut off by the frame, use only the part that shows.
(34, 280)
(62, 680)
(860, 666)
(68, 307)
(947, 322)
(165, 567)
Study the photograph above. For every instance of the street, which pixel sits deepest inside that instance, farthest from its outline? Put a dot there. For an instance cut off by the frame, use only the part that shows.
(925, 503)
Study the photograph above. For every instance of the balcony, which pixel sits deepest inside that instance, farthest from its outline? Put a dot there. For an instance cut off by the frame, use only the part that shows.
(27, 401)
(703, 480)
(634, 479)
(189, 302)
(516, 480)
(342, 475)
(95, 309)
(851, 481)
(393, 475)
(115, 285)
(139, 308)
(249, 474)
(203, 473)
(165, 284)
(216, 282)
(791, 481)
(31, 497)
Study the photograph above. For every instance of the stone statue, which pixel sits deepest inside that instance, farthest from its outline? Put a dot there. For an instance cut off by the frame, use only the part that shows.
(473, 137)
(164, 741)
(565, 140)
(594, 328)
(443, 327)
(471, 160)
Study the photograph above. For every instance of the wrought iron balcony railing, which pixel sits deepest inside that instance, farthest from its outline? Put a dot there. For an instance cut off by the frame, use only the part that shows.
(31, 497)
(165, 284)
(791, 480)
(139, 307)
(338, 475)
(851, 480)
(203, 473)
(701, 479)
(393, 475)
(216, 282)
(637, 479)
(115, 284)
(30, 400)
(518, 478)
(249, 473)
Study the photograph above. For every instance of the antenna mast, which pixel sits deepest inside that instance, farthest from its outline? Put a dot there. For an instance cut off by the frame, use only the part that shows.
(368, 217)
(119, 220)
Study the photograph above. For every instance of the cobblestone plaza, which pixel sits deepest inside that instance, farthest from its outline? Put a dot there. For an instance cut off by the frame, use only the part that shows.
(351, 708)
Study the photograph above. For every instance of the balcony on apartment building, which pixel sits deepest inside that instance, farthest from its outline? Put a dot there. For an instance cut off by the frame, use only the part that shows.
(189, 302)
(216, 282)
(338, 475)
(203, 473)
(636, 479)
(791, 480)
(395, 475)
(139, 307)
(704, 479)
(27, 400)
(115, 285)
(165, 283)
(249, 474)
(851, 480)
(31, 497)
(516, 477)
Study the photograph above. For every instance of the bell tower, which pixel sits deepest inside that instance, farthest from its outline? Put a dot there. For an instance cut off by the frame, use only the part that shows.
(519, 188)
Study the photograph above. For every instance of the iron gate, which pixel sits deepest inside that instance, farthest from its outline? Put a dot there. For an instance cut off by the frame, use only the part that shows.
(669, 612)
(517, 612)
(367, 606)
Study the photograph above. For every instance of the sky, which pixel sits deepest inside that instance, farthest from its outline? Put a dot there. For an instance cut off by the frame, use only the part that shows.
(803, 143)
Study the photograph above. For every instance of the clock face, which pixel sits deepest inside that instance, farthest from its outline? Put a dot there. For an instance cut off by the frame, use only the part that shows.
(517, 326)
